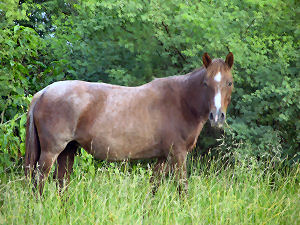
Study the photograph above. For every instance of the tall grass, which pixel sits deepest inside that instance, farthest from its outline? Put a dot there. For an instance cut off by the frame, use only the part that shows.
(121, 193)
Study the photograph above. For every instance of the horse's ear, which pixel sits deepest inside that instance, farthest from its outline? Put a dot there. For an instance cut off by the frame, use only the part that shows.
(229, 59)
(206, 60)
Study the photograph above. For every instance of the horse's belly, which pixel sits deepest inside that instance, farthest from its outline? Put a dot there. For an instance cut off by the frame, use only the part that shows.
(120, 149)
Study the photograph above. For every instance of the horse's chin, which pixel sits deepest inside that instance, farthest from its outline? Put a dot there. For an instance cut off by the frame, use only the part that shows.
(216, 125)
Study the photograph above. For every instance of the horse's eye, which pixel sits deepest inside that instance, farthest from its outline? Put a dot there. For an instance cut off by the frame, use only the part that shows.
(229, 83)
(205, 83)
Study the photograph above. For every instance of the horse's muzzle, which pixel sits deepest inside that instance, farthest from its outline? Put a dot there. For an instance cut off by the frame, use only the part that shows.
(216, 118)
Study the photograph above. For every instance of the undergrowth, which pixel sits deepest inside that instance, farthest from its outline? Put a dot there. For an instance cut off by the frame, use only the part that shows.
(246, 192)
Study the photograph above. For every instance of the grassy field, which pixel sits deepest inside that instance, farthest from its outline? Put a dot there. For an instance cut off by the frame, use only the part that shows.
(120, 193)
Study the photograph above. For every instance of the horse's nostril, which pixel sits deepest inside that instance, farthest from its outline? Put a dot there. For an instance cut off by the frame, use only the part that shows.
(211, 116)
(222, 116)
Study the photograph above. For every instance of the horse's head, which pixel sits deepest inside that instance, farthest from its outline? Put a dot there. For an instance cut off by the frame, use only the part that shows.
(219, 84)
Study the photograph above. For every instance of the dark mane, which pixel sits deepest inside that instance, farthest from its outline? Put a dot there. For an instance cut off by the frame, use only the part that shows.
(185, 78)
(197, 70)
(196, 74)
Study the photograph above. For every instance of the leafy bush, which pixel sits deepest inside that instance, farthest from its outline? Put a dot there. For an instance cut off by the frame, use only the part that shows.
(130, 42)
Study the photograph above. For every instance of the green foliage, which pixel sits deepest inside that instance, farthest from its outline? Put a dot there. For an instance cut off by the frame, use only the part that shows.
(131, 42)
(12, 141)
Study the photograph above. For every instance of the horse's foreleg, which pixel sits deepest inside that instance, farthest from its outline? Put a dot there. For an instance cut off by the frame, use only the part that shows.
(178, 165)
(159, 171)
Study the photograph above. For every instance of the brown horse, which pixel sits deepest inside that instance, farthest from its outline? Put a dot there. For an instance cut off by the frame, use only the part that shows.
(161, 119)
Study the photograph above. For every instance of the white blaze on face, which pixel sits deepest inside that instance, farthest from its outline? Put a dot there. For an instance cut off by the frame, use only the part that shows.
(218, 77)
(218, 96)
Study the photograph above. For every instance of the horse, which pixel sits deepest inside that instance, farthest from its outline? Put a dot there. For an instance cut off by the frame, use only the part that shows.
(159, 120)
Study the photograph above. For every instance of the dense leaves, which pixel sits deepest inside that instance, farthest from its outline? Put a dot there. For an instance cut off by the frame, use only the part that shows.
(131, 42)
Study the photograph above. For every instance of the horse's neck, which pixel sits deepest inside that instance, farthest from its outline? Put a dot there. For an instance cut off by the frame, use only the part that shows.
(195, 99)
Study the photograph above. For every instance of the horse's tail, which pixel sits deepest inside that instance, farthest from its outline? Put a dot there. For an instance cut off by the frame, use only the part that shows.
(33, 148)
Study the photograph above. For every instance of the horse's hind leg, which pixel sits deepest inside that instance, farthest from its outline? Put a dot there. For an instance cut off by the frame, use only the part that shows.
(64, 165)
(44, 166)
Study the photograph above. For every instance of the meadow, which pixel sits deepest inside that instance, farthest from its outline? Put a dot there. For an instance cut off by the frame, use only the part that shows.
(121, 193)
